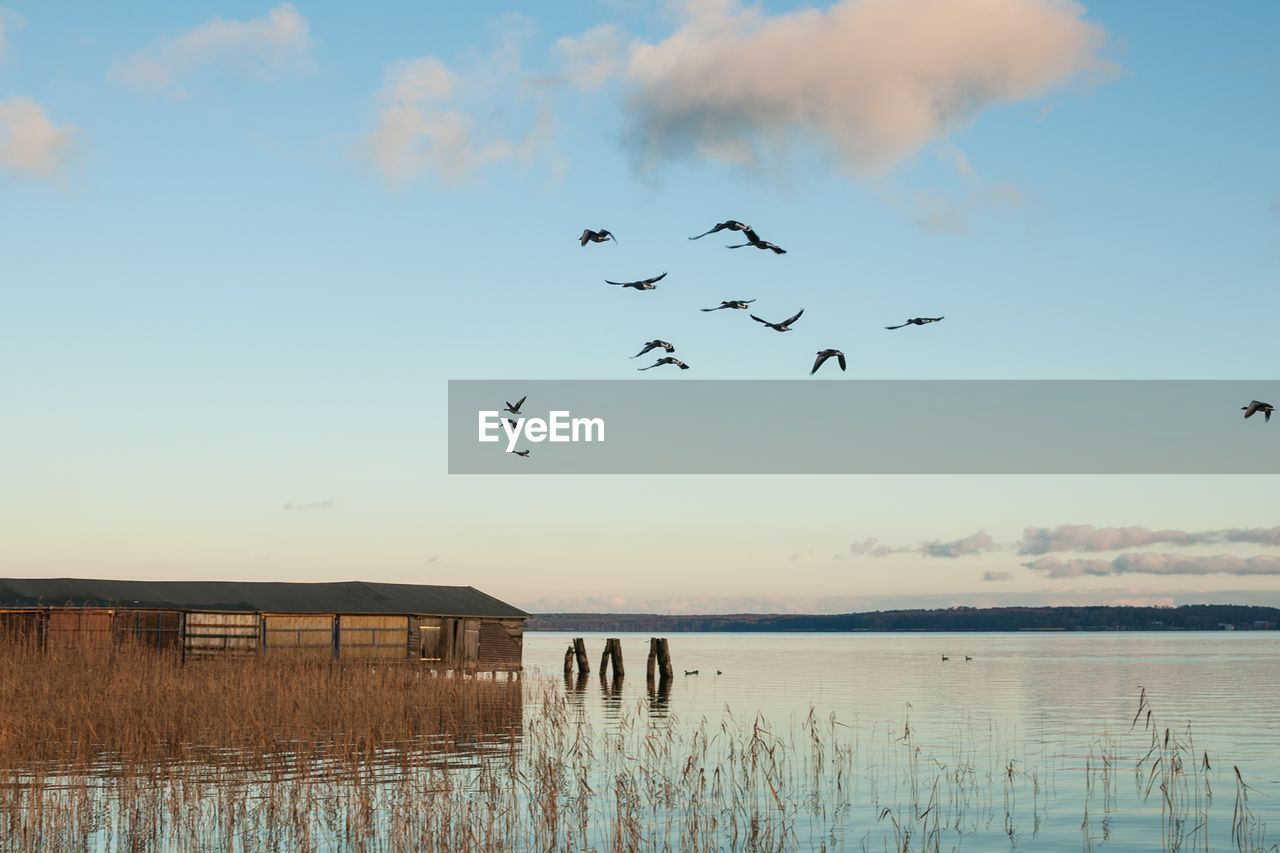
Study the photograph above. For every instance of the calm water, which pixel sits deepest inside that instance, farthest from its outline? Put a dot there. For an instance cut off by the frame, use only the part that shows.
(1036, 716)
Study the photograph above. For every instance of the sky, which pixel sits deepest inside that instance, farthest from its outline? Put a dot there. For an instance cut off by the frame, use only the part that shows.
(246, 245)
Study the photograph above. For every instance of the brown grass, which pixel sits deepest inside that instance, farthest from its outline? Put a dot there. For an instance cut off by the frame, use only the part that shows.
(65, 710)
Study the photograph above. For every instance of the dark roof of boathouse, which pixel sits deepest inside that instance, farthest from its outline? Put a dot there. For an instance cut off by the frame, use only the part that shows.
(343, 597)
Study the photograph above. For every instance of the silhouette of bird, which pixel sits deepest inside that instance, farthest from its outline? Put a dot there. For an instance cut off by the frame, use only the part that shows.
(719, 672)
(667, 360)
(515, 410)
(824, 355)
(654, 344)
(731, 303)
(523, 453)
(756, 242)
(968, 657)
(917, 321)
(690, 672)
(730, 225)
(784, 326)
(647, 284)
(1258, 406)
(944, 657)
(589, 236)
(511, 423)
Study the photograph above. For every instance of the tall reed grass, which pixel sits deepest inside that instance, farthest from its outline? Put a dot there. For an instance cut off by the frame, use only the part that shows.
(130, 749)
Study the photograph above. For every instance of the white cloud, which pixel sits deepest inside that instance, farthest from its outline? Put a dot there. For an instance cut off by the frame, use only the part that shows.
(875, 79)
(31, 145)
(997, 576)
(591, 59)
(975, 544)
(426, 116)
(1087, 537)
(276, 45)
(1157, 564)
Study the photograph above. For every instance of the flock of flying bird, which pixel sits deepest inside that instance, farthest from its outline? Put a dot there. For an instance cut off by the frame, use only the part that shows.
(753, 241)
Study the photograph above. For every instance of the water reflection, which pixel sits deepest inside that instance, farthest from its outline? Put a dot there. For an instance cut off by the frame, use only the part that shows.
(659, 697)
(611, 693)
(575, 691)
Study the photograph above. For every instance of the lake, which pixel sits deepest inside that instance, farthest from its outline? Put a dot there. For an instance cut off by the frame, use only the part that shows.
(1025, 740)
(854, 741)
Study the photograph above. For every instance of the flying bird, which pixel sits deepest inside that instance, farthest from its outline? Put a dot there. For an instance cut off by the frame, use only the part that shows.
(731, 303)
(647, 284)
(666, 360)
(784, 326)
(654, 344)
(515, 410)
(917, 321)
(730, 225)
(1258, 406)
(824, 355)
(523, 453)
(753, 240)
(601, 236)
(512, 423)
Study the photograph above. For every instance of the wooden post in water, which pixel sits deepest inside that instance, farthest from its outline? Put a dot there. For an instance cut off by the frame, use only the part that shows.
(568, 660)
(615, 646)
(580, 650)
(651, 667)
(604, 658)
(664, 659)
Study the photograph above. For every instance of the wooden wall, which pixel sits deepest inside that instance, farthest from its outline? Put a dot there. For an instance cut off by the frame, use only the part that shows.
(213, 633)
(305, 635)
(373, 637)
(440, 642)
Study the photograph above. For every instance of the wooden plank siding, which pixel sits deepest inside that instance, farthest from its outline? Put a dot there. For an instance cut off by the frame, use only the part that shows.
(213, 633)
(305, 635)
(79, 628)
(23, 626)
(462, 643)
(381, 637)
(157, 629)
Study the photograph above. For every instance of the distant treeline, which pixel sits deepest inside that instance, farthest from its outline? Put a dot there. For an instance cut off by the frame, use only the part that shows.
(1191, 617)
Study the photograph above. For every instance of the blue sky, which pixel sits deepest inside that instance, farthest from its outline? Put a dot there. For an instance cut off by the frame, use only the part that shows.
(247, 244)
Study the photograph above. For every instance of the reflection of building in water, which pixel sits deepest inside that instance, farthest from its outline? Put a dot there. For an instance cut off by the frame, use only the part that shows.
(441, 627)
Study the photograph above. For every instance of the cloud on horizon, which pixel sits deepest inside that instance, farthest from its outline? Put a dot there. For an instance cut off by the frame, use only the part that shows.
(875, 80)
(1156, 564)
(976, 543)
(1087, 537)
(279, 44)
(31, 145)
(997, 576)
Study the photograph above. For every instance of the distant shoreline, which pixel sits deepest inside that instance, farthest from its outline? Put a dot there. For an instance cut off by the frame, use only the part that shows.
(1191, 617)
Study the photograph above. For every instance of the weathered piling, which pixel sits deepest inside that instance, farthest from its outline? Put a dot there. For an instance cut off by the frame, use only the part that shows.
(664, 659)
(568, 660)
(615, 646)
(580, 651)
(651, 666)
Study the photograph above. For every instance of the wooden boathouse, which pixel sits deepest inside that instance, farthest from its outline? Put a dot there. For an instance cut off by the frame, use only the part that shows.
(440, 627)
